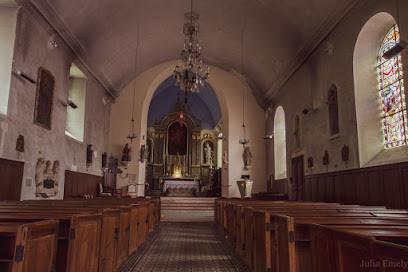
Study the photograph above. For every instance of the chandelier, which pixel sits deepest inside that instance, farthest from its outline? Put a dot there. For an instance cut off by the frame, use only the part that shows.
(190, 76)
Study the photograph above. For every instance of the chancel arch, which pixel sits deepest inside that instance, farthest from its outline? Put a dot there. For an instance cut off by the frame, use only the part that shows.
(280, 144)
(377, 125)
(185, 150)
(224, 84)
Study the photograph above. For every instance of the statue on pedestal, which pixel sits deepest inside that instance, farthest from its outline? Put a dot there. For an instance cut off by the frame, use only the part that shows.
(247, 157)
(126, 153)
(208, 153)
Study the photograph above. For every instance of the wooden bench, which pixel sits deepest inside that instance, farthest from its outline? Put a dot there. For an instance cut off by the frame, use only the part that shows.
(345, 250)
(133, 227)
(263, 236)
(73, 231)
(28, 247)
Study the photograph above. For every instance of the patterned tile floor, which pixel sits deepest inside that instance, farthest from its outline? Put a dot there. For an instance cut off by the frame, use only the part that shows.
(185, 247)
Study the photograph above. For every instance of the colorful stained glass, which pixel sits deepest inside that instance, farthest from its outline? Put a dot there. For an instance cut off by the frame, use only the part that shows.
(392, 93)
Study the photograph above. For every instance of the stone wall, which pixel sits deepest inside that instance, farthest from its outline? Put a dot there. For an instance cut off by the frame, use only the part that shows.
(31, 52)
(331, 63)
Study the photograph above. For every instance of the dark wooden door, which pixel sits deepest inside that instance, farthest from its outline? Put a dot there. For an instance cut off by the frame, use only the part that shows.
(11, 177)
(298, 178)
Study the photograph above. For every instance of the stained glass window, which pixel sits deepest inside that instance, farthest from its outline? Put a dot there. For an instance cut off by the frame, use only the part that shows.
(391, 87)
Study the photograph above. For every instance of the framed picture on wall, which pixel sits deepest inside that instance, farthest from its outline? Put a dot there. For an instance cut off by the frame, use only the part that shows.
(44, 98)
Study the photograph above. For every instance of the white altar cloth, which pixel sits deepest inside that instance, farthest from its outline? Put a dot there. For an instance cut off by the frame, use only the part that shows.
(180, 183)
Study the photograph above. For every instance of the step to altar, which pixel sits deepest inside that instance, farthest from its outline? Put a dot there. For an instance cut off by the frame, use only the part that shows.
(187, 209)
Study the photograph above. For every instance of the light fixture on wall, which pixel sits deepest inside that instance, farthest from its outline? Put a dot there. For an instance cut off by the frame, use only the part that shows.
(190, 76)
(132, 134)
(243, 140)
(398, 47)
(268, 136)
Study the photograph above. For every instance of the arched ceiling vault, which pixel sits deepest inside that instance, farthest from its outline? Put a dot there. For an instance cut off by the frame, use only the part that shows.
(279, 35)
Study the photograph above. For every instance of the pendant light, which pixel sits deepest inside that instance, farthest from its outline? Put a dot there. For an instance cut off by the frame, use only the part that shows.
(243, 140)
(132, 134)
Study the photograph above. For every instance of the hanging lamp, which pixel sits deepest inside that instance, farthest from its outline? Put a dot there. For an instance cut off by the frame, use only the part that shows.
(243, 140)
(132, 134)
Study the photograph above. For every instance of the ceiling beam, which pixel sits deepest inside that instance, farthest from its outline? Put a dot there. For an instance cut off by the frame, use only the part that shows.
(46, 14)
(325, 29)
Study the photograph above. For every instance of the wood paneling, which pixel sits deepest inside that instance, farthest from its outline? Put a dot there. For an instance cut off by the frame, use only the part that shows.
(385, 185)
(80, 184)
(11, 177)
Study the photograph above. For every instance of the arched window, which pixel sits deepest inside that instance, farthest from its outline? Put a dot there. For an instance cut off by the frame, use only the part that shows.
(280, 144)
(75, 120)
(391, 85)
(8, 21)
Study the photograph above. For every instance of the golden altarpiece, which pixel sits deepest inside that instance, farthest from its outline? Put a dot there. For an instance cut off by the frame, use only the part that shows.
(181, 161)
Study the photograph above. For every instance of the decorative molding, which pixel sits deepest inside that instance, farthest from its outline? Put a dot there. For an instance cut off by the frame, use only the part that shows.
(325, 29)
(47, 15)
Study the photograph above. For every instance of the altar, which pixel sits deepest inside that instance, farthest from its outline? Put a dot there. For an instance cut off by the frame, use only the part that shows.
(180, 186)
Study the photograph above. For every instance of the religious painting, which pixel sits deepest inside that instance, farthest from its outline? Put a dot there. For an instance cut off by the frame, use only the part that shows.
(177, 139)
(333, 110)
(44, 98)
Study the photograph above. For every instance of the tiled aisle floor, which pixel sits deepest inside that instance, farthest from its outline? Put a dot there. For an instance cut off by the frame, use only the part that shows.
(180, 247)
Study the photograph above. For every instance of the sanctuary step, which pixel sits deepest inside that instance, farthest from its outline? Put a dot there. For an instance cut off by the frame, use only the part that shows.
(187, 209)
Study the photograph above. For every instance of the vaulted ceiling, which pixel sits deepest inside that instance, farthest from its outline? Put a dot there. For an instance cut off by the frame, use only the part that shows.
(278, 35)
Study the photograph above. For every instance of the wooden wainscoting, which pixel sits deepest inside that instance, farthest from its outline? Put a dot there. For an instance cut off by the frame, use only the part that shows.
(380, 185)
(80, 184)
(280, 185)
(11, 177)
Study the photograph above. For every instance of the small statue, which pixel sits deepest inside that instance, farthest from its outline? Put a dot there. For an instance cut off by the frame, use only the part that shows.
(144, 153)
(126, 153)
(20, 143)
(326, 160)
(345, 153)
(247, 157)
(225, 157)
(310, 162)
(208, 154)
(89, 153)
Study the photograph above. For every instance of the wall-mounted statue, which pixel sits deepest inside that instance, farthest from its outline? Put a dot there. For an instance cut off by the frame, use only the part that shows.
(310, 162)
(345, 153)
(46, 178)
(20, 143)
(225, 157)
(247, 157)
(326, 160)
(144, 153)
(126, 153)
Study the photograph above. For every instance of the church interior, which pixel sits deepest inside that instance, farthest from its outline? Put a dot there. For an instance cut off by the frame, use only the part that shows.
(229, 135)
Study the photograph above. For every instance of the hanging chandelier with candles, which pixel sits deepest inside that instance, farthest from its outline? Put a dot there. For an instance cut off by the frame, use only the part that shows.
(190, 75)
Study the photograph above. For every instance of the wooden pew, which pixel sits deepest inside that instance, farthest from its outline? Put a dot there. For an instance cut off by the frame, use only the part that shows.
(74, 230)
(28, 247)
(329, 210)
(115, 232)
(131, 225)
(336, 250)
